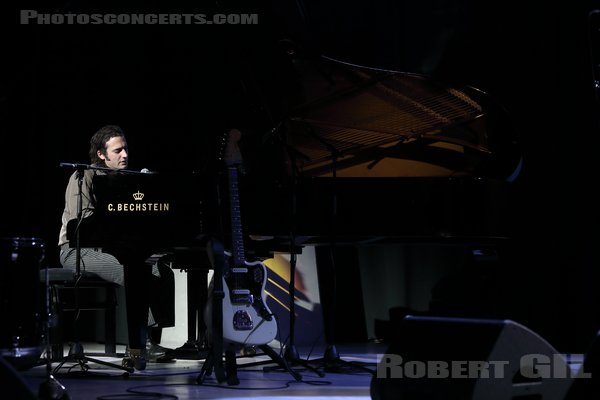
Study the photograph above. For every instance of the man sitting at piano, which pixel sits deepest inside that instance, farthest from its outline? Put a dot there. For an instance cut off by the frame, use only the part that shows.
(149, 289)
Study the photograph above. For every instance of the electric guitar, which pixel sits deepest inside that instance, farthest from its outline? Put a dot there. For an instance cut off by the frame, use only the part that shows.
(246, 318)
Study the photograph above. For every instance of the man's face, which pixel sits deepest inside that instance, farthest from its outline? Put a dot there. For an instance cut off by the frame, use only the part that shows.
(116, 153)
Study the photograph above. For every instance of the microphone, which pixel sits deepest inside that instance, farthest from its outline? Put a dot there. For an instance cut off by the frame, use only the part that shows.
(74, 165)
(146, 171)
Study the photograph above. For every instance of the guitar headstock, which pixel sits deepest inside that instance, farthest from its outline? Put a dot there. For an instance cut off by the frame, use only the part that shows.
(231, 149)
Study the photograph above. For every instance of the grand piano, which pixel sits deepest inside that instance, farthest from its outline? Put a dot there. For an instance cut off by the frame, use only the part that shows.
(373, 155)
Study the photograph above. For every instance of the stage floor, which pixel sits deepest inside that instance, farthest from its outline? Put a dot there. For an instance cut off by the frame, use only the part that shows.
(178, 380)
(258, 378)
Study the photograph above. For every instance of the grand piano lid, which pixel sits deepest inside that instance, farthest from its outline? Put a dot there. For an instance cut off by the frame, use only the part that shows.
(364, 122)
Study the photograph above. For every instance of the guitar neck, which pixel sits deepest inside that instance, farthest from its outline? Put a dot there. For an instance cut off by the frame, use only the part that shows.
(237, 237)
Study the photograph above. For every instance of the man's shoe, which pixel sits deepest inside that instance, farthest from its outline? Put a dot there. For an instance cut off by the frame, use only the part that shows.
(157, 353)
(135, 358)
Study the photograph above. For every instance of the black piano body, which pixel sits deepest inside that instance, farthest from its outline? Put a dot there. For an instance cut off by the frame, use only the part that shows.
(324, 210)
(166, 216)
(154, 211)
(172, 215)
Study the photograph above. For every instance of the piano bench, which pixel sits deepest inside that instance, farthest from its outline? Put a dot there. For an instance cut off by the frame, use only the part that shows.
(95, 294)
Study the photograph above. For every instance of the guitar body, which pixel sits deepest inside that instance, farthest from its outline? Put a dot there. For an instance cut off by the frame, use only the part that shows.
(246, 318)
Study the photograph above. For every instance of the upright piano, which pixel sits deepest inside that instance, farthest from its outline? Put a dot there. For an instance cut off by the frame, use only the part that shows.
(166, 216)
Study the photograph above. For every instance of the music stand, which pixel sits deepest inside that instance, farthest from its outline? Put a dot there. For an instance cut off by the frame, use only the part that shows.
(76, 352)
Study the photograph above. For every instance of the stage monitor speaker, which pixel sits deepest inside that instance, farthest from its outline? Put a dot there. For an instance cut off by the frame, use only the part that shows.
(435, 358)
(12, 385)
(585, 389)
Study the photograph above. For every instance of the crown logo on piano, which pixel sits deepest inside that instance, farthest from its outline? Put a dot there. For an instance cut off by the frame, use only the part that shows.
(138, 196)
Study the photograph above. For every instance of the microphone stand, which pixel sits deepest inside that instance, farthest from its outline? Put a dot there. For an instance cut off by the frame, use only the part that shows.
(51, 388)
(291, 352)
(291, 355)
(76, 351)
(331, 359)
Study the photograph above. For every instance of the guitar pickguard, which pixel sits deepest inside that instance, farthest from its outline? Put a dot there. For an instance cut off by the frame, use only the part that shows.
(245, 283)
(246, 317)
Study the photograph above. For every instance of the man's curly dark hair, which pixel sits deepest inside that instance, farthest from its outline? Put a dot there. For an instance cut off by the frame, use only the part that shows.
(98, 142)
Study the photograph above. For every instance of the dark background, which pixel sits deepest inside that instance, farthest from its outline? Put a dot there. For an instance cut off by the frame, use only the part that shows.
(175, 89)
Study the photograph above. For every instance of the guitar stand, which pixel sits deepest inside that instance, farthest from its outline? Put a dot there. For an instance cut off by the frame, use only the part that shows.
(229, 373)
(292, 357)
(214, 362)
(214, 359)
(280, 361)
